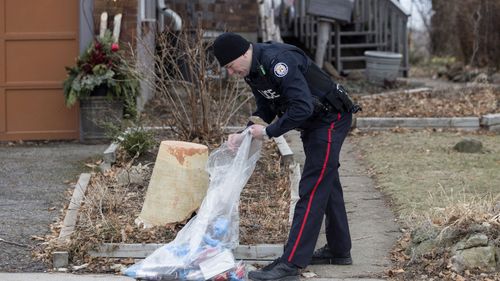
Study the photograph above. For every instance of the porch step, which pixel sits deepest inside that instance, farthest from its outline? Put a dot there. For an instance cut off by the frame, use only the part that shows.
(352, 58)
(361, 45)
(357, 33)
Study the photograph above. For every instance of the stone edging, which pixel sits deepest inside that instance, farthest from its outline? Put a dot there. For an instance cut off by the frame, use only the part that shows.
(381, 123)
(60, 258)
(490, 122)
(261, 253)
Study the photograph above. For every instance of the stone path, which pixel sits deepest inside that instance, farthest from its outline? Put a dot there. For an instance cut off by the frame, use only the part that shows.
(372, 224)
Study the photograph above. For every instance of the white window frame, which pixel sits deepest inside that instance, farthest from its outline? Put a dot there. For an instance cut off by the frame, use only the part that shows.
(148, 10)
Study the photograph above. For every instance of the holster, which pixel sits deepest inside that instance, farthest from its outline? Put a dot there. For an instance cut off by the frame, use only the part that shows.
(340, 100)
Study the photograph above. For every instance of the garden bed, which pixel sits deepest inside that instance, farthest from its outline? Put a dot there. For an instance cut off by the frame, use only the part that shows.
(468, 101)
(110, 207)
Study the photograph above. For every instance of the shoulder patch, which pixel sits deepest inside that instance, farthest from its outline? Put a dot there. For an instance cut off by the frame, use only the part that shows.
(280, 69)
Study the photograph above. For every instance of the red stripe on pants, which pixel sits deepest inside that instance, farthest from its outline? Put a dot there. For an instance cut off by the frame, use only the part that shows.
(304, 221)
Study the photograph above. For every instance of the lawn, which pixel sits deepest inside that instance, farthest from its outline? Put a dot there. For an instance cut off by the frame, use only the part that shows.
(421, 171)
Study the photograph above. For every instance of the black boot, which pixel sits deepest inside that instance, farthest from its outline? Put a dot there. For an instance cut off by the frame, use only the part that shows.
(323, 255)
(271, 265)
(281, 271)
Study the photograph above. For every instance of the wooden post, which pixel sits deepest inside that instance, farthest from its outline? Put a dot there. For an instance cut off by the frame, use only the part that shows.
(338, 63)
(324, 30)
(406, 62)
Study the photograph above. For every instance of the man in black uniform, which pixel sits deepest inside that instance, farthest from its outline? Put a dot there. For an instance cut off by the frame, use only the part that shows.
(287, 84)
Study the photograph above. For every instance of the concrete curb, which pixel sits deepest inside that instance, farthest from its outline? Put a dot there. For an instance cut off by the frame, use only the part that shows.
(490, 122)
(385, 123)
(74, 206)
(262, 252)
(60, 258)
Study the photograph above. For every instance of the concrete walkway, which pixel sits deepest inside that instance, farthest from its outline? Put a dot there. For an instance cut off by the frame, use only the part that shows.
(372, 224)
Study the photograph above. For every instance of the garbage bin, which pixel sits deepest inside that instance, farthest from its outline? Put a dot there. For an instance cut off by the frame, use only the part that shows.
(382, 66)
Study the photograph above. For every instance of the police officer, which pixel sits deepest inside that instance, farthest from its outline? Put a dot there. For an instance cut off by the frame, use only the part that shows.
(286, 84)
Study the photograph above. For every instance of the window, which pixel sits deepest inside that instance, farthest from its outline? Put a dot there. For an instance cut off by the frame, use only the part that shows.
(148, 10)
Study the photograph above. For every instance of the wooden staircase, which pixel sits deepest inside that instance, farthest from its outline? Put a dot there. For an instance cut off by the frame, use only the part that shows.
(379, 25)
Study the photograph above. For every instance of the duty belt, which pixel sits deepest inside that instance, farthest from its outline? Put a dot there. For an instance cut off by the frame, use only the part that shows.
(336, 98)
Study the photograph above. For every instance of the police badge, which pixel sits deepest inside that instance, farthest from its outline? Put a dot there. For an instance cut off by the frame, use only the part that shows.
(280, 69)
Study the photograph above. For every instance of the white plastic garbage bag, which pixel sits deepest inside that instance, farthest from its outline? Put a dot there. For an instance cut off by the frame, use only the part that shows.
(202, 249)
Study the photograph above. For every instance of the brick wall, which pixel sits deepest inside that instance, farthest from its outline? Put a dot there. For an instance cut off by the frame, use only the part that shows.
(221, 15)
(128, 9)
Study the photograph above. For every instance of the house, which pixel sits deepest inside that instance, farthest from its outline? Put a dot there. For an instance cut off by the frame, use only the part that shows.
(38, 38)
(379, 25)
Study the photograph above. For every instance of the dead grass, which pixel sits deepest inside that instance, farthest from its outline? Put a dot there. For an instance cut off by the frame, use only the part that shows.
(421, 172)
(434, 188)
(462, 218)
(265, 201)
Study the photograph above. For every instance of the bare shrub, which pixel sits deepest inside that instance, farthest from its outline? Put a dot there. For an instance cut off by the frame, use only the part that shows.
(467, 29)
(187, 80)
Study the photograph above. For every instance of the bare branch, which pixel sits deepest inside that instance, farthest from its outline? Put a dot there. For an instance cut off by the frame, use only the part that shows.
(187, 81)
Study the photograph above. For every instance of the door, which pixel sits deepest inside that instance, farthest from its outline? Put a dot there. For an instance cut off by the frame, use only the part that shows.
(38, 38)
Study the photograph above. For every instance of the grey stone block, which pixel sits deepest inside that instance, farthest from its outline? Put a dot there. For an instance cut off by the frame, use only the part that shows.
(494, 128)
(60, 259)
(490, 119)
(110, 153)
(380, 123)
(104, 166)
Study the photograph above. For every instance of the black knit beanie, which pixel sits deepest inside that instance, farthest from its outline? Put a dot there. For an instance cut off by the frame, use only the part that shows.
(229, 46)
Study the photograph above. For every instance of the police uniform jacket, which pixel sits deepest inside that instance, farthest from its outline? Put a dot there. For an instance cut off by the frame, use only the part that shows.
(279, 81)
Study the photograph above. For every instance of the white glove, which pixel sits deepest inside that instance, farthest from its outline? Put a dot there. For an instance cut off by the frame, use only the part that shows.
(234, 141)
(258, 132)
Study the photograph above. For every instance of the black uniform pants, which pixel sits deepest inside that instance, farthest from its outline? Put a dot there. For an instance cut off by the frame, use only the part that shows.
(320, 194)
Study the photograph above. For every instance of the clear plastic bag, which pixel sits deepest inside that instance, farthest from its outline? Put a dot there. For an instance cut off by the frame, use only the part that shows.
(202, 249)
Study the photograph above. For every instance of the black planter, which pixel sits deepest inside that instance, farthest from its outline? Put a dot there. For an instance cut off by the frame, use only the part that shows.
(95, 112)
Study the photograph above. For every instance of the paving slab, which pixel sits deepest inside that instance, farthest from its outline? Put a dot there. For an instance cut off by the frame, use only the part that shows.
(372, 223)
(74, 277)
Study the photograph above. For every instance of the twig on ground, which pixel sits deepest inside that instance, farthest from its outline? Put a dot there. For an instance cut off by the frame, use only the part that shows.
(13, 243)
(361, 238)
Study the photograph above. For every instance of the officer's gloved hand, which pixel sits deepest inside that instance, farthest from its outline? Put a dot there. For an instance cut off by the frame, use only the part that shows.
(234, 141)
(258, 132)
